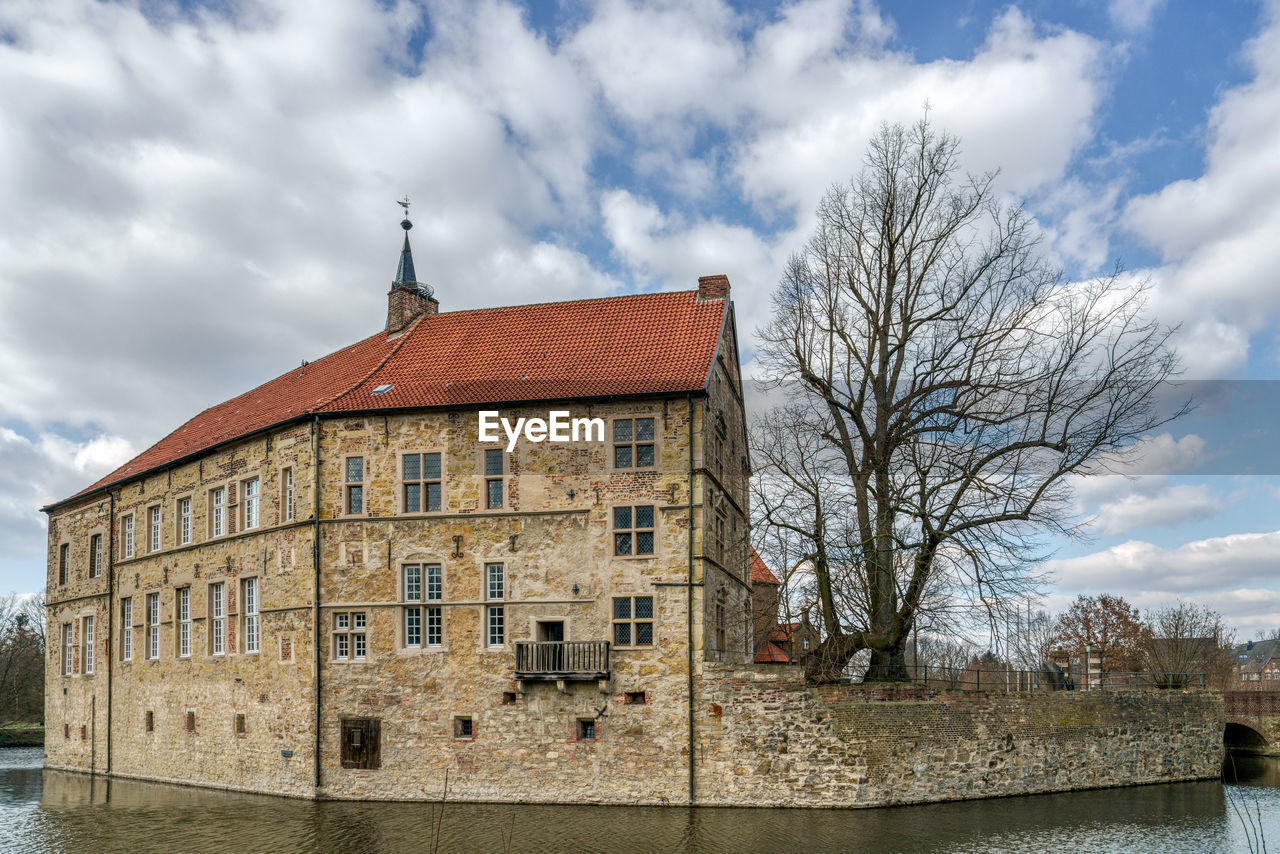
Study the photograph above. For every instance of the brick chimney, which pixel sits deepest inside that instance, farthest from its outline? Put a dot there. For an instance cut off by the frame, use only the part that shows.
(406, 303)
(713, 287)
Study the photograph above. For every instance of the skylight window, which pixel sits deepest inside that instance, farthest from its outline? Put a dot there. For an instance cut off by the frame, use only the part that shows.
(382, 389)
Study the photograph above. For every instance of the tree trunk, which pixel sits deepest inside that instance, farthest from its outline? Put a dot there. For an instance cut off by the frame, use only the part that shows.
(889, 665)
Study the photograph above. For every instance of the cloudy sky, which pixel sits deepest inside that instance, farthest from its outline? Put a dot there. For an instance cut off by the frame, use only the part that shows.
(198, 196)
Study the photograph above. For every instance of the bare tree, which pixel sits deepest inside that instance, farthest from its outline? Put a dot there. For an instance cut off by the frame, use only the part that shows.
(943, 382)
(21, 658)
(1186, 638)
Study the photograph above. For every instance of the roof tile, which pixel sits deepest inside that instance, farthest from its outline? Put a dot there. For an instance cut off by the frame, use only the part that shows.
(634, 345)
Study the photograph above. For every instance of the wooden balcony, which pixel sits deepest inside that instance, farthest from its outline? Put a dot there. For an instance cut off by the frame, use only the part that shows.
(562, 660)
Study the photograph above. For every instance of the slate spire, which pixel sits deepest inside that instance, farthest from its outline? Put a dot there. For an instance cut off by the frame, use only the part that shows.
(408, 297)
(405, 275)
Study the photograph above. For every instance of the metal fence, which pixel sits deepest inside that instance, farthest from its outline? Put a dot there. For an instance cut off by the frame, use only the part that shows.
(1001, 679)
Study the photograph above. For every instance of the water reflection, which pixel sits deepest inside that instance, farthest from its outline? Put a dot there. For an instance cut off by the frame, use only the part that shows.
(60, 811)
(1249, 769)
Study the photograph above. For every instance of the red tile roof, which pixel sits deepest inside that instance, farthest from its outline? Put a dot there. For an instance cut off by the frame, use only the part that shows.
(613, 347)
(760, 572)
(781, 633)
(770, 653)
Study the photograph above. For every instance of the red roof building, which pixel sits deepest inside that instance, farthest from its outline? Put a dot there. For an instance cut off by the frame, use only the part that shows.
(345, 564)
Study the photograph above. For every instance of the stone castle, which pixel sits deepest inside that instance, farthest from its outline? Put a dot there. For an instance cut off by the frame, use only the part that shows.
(330, 587)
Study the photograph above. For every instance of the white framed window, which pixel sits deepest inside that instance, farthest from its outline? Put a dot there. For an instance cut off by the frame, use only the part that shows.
(127, 524)
(86, 637)
(95, 555)
(633, 443)
(633, 621)
(218, 512)
(495, 581)
(218, 618)
(66, 649)
(184, 521)
(251, 492)
(183, 619)
(286, 493)
(495, 589)
(153, 626)
(153, 531)
(496, 623)
(126, 629)
(422, 483)
(353, 490)
(494, 469)
(350, 638)
(249, 601)
(422, 585)
(633, 530)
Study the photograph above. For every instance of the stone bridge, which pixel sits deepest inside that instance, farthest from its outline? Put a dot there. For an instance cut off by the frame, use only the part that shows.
(1252, 721)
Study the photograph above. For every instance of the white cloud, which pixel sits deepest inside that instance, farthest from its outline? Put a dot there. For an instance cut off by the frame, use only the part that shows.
(1169, 506)
(1217, 563)
(1216, 233)
(1162, 454)
(1024, 104)
(1133, 15)
(41, 470)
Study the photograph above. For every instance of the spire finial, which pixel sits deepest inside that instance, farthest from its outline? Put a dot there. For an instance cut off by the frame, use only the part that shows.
(405, 274)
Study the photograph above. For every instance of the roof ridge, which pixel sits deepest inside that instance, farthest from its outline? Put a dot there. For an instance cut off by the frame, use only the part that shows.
(564, 302)
(320, 405)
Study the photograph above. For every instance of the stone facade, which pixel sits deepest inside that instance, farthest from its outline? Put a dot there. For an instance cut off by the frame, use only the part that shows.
(207, 709)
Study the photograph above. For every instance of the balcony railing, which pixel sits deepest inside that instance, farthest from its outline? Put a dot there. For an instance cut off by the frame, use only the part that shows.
(562, 659)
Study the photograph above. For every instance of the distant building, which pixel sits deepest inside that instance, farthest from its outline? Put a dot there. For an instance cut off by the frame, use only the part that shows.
(1257, 665)
(764, 600)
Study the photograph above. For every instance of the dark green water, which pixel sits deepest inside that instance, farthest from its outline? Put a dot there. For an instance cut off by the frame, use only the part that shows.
(55, 811)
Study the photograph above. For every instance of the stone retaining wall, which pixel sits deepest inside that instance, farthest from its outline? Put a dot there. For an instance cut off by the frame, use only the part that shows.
(769, 740)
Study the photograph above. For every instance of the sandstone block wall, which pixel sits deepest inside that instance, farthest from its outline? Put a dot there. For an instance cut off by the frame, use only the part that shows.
(767, 739)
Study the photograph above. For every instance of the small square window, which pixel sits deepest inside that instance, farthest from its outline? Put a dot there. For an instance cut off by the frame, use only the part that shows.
(633, 621)
(633, 443)
(633, 530)
(636, 698)
(586, 729)
(421, 474)
(509, 698)
(463, 727)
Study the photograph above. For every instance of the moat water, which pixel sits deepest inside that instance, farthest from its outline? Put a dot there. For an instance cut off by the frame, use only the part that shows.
(52, 811)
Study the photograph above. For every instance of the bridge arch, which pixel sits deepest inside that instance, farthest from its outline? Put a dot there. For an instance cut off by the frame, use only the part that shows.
(1242, 735)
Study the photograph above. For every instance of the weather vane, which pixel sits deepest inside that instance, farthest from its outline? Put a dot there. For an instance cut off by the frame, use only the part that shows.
(405, 205)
